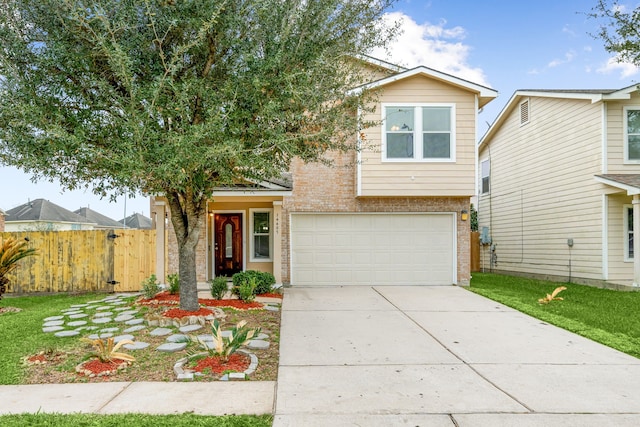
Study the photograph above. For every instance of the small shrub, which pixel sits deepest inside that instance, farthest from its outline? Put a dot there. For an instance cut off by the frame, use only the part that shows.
(224, 347)
(246, 290)
(150, 287)
(174, 283)
(106, 351)
(219, 287)
(264, 281)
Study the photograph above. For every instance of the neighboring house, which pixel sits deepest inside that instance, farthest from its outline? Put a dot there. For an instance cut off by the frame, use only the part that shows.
(559, 174)
(101, 221)
(42, 215)
(137, 221)
(393, 213)
(2, 216)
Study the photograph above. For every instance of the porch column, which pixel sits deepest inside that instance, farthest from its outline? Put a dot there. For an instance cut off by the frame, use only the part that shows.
(159, 219)
(277, 241)
(636, 240)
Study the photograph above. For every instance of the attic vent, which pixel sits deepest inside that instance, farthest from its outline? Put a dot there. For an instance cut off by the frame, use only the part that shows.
(524, 112)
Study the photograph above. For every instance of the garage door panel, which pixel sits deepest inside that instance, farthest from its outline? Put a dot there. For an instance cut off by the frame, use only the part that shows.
(372, 249)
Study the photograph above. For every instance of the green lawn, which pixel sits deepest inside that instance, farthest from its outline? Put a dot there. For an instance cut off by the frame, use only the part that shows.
(609, 317)
(133, 420)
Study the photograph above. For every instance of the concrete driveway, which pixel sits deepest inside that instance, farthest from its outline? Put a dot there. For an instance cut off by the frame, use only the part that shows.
(441, 356)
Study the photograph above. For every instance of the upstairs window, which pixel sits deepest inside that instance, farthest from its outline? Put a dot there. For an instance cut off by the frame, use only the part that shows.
(632, 134)
(420, 132)
(485, 174)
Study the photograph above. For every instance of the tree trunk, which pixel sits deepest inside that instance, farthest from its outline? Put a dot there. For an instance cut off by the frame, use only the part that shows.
(187, 217)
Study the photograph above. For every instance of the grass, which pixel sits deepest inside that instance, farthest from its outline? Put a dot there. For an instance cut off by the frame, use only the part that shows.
(606, 316)
(133, 420)
(21, 333)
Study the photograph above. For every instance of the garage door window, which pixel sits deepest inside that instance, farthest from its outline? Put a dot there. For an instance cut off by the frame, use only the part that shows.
(261, 235)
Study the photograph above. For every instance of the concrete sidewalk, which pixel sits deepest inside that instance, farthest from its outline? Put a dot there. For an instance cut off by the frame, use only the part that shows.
(441, 356)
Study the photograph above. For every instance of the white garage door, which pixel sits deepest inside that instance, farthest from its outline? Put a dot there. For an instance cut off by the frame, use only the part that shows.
(372, 249)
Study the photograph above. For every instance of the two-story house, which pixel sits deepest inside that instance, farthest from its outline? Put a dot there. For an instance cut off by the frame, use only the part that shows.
(395, 212)
(559, 179)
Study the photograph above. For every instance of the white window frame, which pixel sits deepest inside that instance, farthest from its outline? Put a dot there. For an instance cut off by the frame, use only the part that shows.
(252, 235)
(483, 176)
(625, 222)
(417, 133)
(625, 128)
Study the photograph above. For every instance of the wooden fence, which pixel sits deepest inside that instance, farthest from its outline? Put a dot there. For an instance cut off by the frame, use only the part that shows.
(84, 261)
(475, 251)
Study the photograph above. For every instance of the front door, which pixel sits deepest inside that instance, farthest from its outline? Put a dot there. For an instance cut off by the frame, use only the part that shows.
(228, 244)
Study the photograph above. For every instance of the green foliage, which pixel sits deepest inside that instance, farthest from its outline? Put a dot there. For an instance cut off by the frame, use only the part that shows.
(150, 287)
(619, 31)
(11, 251)
(177, 98)
(134, 420)
(603, 315)
(174, 283)
(225, 346)
(246, 291)
(263, 281)
(107, 350)
(218, 286)
(474, 218)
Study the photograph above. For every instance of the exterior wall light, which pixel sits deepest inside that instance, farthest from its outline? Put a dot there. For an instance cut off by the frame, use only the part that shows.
(464, 215)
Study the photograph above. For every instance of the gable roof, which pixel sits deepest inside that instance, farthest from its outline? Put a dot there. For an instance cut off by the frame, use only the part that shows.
(98, 218)
(485, 94)
(43, 210)
(593, 95)
(137, 221)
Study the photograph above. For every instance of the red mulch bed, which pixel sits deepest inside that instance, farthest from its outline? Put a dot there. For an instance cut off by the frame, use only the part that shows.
(271, 295)
(38, 358)
(165, 298)
(237, 363)
(98, 368)
(177, 313)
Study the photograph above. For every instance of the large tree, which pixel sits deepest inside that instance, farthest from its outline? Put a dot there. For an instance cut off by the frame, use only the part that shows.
(177, 97)
(620, 31)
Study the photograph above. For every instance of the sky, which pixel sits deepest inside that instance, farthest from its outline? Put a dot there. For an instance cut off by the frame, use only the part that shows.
(504, 44)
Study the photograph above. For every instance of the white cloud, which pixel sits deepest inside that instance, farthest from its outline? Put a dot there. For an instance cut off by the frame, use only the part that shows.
(569, 31)
(624, 68)
(568, 57)
(432, 45)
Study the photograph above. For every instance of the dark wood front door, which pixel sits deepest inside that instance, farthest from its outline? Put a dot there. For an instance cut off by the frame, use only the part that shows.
(228, 244)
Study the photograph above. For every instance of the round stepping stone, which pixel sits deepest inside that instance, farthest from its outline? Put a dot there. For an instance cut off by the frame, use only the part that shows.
(226, 334)
(99, 336)
(67, 333)
(78, 316)
(172, 347)
(271, 308)
(90, 307)
(178, 338)
(72, 312)
(117, 302)
(205, 337)
(160, 332)
(77, 323)
(258, 344)
(138, 345)
(53, 323)
(120, 308)
(104, 314)
(123, 337)
(49, 319)
(128, 312)
(134, 322)
(109, 330)
(262, 336)
(52, 329)
(190, 328)
(79, 305)
(111, 298)
(90, 328)
(123, 318)
(101, 320)
(134, 329)
(103, 308)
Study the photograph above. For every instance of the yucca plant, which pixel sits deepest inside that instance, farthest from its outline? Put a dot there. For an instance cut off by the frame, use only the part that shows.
(224, 347)
(107, 350)
(553, 296)
(11, 251)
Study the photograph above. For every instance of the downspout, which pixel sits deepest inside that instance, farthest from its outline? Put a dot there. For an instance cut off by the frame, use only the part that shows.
(636, 240)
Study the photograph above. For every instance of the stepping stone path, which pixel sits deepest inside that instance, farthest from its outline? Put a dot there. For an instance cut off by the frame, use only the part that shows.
(102, 312)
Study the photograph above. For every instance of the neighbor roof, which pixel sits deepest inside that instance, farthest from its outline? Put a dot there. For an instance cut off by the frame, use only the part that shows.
(137, 221)
(98, 218)
(43, 210)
